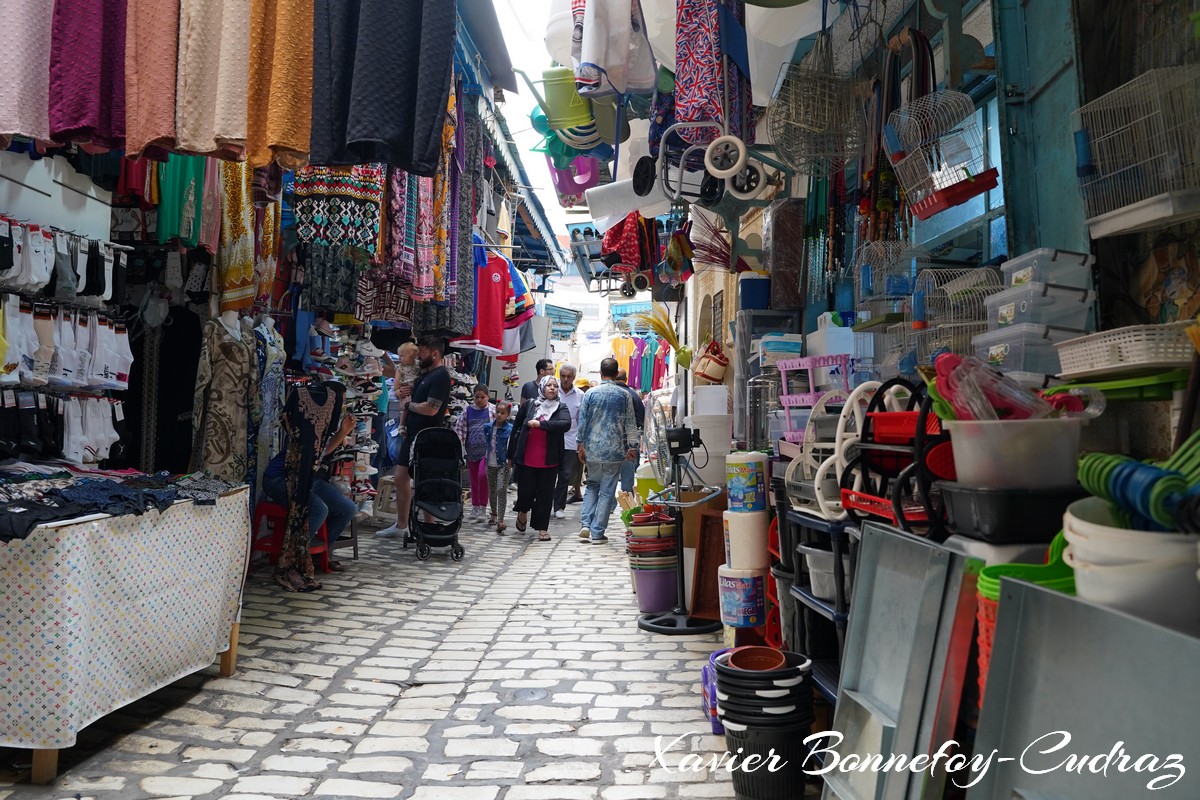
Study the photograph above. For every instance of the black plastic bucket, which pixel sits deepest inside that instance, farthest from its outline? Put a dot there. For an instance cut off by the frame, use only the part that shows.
(787, 604)
(744, 693)
(787, 532)
(785, 744)
(798, 666)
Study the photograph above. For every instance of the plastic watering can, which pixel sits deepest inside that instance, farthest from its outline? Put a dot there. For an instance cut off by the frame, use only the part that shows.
(605, 110)
(583, 174)
(563, 106)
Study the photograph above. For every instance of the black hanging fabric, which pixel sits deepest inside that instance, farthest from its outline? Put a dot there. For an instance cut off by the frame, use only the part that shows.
(381, 81)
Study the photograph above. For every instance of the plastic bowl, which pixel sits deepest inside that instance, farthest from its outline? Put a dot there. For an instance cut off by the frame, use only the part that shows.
(756, 659)
(1165, 592)
(1016, 454)
(794, 672)
(1088, 526)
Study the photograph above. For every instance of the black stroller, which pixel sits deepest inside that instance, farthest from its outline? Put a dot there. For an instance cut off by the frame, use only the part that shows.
(437, 508)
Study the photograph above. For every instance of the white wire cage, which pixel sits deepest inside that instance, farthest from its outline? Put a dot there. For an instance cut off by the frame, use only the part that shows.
(935, 145)
(1138, 149)
(884, 271)
(815, 120)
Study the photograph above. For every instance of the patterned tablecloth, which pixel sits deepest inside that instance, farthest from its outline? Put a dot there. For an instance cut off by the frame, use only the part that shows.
(101, 612)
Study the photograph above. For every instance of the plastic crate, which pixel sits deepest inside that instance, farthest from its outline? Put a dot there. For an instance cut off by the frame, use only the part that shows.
(985, 614)
(1125, 350)
(1060, 267)
(900, 427)
(1041, 303)
(880, 507)
(1023, 348)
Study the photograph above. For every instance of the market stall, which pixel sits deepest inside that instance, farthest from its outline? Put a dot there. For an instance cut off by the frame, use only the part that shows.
(101, 611)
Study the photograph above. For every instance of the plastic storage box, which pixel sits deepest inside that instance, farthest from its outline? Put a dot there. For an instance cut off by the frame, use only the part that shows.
(1024, 348)
(1005, 516)
(754, 291)
(1043, 303)
(1044, 265)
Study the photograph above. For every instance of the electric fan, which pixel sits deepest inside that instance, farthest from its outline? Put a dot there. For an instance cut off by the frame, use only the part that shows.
(668, 448)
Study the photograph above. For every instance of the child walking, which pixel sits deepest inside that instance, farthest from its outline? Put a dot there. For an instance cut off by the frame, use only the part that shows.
(470, 428)
(497, 433)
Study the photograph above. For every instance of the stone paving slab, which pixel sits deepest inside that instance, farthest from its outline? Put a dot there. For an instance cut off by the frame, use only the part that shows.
(516, 674)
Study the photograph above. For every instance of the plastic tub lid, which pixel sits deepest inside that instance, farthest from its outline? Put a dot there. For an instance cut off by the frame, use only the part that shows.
(1084, 297)
(1028, 332)
(1047, 254)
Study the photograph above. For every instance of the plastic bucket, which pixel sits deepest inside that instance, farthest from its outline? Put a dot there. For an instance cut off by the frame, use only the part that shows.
(1016, 454)
(786, 743)
(787, 603)
(1088, 526)
(1165, 592)
(749, 694)
(756, 659)
(656, 589)
(797, 670)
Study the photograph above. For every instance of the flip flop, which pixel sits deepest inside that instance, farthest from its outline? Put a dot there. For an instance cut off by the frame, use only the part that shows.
(543, 537)
(521, 522)
(336, 566)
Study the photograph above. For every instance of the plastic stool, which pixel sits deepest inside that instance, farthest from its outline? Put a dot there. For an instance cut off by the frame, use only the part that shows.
(385, 499)
(274, 516)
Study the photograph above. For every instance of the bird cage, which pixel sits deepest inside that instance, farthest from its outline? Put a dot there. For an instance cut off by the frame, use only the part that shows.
(884, 271)
(815, 121)
(935, 146)
(1137, 150)
(952, 296)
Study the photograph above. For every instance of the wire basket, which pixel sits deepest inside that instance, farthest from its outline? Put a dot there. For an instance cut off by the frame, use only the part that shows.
(936, 147)
(1124, 350)
(815, 121)
(1139, 149)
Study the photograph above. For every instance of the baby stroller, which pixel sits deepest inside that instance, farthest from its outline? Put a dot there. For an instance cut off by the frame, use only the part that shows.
(436, 466)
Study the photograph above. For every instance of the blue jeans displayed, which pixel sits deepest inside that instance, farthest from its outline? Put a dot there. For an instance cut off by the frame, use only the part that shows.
(326, 505)
(600, 496)
(628, 468)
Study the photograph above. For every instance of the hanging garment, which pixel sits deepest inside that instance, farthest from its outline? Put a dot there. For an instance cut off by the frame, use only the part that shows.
(311, 415)
(341, 206)
(279, 103)
(211, 199)
(402, 224)
(181, 189)
(266, 251)
(235, 254)
(614, 54)
(424, 279)
(87, 72)
(265, 440)
(227, 399)
(25, 41)
(623, 348)
(151, 57)
(493, 289)
(381, 76)
(212, 77)
(442, 241)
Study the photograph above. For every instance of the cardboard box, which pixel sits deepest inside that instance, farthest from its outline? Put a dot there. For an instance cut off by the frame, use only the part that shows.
(691, 516)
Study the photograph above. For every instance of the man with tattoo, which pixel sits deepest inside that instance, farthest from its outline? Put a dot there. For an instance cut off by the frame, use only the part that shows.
(426, 409)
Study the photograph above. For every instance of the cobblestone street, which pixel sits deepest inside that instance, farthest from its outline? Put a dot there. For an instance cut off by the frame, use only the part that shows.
(517, 674)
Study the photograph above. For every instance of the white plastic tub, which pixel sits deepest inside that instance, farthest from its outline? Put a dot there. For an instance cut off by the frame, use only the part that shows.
(820, 571)
(1042, 303)
(1050, 266)
(1165, 592)
(1089, 528)
(1022, 348)
(1016, 454)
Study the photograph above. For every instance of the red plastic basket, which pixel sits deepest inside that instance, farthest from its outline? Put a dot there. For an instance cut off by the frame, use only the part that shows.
(881, 507)
(985, 613)
(900, 427)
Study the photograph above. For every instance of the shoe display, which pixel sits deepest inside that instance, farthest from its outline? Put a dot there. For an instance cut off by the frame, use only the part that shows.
(323, 328)
(366, 348)
(321, 357)
(366, 470)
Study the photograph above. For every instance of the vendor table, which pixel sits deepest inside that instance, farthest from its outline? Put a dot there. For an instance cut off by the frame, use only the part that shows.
(101, 611)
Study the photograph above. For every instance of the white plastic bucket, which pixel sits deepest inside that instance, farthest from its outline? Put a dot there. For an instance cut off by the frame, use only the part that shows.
(1165, 592)
(1016, 454)
(1088, 527)
(710, 401)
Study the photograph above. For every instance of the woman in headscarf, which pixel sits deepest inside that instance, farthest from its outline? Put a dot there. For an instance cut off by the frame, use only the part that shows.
(536, 447)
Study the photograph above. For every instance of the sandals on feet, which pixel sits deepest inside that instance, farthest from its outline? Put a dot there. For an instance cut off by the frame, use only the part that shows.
(291, 581)
(310, 584)
(336, 566)
(543, 537)
(521, 520)
(501, 528)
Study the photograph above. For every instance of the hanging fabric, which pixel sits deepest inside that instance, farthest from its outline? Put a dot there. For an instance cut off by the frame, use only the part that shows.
(212, 77)
(235, 255)
(87, 72)
(25, 56)
(279, 102)
(151, 57)
(227, 400)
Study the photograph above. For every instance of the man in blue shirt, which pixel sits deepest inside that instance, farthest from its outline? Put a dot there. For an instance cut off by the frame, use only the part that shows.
(607, 439)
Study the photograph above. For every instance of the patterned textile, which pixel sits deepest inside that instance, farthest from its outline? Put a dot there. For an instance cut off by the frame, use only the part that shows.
(423, 277)
(312, 415)
(441, 209)
(227, 400)
(202, 490)
(700, 80)
(341, 206)
(235, 255)
(266, 250)
(622, 239)
(78, 598)
(265, 437)
(402, 222)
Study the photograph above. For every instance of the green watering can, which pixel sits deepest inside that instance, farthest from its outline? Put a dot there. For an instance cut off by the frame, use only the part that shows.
(562, 104)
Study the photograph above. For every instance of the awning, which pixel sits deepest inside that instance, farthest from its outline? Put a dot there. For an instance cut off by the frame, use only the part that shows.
(479, 17)
(563, 321)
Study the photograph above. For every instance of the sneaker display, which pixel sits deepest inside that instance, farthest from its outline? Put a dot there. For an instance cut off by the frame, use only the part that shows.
(366, 348)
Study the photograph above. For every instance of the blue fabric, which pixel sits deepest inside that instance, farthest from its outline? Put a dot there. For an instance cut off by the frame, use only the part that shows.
(606, 423)
(275, 468)
(628, 471)
(600, 497)
(497, 439)
(326, 505)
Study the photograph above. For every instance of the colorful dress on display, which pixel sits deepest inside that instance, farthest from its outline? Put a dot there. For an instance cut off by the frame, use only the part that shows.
(181, 191)
(227, 401)
(311, 415)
